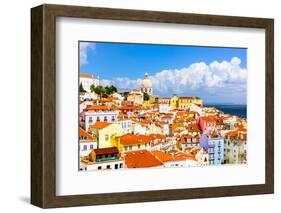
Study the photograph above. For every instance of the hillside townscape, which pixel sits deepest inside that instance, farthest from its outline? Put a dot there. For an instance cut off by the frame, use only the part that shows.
(137, 129)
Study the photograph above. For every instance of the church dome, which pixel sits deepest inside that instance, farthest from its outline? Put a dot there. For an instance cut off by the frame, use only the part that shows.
(146, 82)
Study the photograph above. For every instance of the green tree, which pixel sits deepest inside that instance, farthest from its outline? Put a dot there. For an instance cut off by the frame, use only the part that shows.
(92, 88)
(81, 88)
(145, 96)
(103, 92)
(125, 94)
(107, 90)
(99, 90)
(113, 89)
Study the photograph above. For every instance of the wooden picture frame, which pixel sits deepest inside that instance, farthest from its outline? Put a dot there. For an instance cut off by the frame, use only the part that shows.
(43, 105)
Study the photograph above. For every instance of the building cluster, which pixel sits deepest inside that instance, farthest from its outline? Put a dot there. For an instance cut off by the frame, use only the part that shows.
(130, 131)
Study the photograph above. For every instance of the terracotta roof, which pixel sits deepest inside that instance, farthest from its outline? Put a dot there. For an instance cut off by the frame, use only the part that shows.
(181, 113)
(141, 159)
(130, 108)
(213, 135)
(162, 156)
(241, 128)
(98, 107)
(194, 150)
(101, 125)
(156, 136)
(108, 150)
(87, 76)
(231, 134)
(168, 116)
(83, 133)
(193, 128)
(113, 98)
(208, 118)
(181, 155)
(172, 156)
(177, 131)
(187, 136)
(132, 139)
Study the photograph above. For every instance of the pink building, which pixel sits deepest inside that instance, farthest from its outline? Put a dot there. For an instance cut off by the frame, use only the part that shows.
(207, 124)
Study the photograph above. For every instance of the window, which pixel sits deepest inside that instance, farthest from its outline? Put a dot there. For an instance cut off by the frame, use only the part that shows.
(99, 168)
(105, 118)
(108, 167)
(85, 147)
(121, 165)
(116, 166)
(91, 146)
(139, 146)
(126, 148)
(106, 137)
(130, 147)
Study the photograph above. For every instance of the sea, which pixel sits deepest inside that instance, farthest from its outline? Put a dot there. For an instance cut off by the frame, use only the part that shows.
(232, 109)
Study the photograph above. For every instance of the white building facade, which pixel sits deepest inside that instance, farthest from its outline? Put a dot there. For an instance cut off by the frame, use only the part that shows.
(112, 165)
(99, 113)
(85, 147)
(88, 80)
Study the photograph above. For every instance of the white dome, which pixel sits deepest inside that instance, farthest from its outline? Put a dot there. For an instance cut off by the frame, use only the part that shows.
(146, 82)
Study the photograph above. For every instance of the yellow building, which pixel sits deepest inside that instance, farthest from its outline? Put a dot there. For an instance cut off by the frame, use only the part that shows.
(174, 102)
(185, 102)
(197, 101)
(107, 133)
(164, 100)
(132, 142)
(147, 104)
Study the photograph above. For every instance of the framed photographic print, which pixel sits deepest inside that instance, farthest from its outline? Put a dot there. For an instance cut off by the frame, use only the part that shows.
(137, 106)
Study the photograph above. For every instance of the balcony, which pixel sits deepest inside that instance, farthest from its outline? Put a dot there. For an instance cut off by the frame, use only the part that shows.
(107, 159)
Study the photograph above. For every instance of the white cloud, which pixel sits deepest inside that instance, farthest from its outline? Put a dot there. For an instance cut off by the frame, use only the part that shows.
(198, 78)
(122, 83)
(235, 61)
(84, 47)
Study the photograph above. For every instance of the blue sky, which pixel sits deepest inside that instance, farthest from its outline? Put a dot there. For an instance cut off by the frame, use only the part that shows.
(217, 75)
